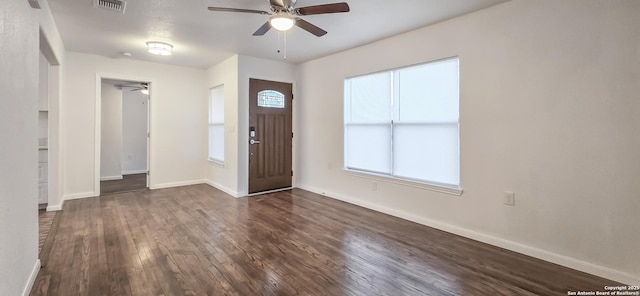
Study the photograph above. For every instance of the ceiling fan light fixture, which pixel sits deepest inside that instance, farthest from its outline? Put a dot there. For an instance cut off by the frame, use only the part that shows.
(282, 21)
(159, 48)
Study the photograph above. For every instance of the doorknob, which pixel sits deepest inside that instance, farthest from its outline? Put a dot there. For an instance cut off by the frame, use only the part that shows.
(252, 141)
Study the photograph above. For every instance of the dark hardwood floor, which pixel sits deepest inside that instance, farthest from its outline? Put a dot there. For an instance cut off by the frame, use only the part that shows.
(128, 183)
(45, 221)
(48, 227)
(196, 240)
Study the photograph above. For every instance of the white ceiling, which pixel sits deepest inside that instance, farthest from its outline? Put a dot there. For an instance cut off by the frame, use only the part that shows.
(202, 38)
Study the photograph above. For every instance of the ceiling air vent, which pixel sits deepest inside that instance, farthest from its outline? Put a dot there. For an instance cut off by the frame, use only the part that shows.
(115, 5)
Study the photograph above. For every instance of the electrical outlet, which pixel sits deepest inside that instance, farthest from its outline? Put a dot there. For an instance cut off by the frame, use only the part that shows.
(374, 186)
(130, 157)
(330, 166)
(510, 198)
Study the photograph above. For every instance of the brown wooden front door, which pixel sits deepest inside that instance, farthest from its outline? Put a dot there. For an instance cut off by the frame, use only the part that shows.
(269, 135)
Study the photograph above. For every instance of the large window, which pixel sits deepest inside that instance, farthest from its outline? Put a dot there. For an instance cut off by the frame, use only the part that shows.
(216, 124)
(404, 123)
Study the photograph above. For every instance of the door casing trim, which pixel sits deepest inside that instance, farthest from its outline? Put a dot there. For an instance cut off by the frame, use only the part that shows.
(243, 137)
(98, 124)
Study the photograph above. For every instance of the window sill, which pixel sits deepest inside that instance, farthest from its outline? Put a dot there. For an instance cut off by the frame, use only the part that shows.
(216, 163)
(425, 186)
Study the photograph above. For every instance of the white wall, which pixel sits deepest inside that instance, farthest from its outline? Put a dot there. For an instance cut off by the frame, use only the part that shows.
(43, 83)
(50, 40)
(111, 134)
(134, 132)
(549, 109)
(235, 73)
(177, 113)
(18, 146)
(43, 97)
(53, 49)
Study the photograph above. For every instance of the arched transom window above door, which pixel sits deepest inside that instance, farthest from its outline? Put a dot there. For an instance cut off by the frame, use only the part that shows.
(270, 99)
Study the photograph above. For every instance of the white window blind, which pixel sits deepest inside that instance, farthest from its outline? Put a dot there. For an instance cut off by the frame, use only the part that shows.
(216, 124)
(404, 123)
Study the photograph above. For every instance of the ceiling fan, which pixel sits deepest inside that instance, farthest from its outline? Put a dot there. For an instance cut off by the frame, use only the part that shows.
(143, 87)
(285, 15)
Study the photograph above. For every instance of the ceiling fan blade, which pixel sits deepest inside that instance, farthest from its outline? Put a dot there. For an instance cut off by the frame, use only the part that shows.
(309, 27)
(324, 8)
(263, 30)
(226, 9)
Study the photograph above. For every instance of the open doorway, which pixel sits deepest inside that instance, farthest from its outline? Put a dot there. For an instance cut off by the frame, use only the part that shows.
(124, 145)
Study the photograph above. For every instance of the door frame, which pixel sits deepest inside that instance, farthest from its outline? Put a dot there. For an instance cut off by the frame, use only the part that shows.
(55, 183)
(243, 130)
(98, 123)
(286, 88)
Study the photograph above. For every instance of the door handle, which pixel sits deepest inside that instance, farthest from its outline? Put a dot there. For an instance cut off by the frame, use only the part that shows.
(252, 142)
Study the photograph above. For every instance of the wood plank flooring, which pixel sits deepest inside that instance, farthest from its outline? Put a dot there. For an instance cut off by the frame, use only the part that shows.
(45, 220)
(128, 183)
(197, 240)
(48, 229)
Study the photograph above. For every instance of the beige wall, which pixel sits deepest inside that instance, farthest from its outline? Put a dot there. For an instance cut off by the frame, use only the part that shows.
(549, 109)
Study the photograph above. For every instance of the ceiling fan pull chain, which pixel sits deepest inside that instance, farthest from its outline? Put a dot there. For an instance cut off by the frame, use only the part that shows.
(285, 45)
(279, 41)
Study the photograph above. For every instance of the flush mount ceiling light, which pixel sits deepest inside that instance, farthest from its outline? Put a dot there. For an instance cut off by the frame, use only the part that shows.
(282, 21)
(159, 48)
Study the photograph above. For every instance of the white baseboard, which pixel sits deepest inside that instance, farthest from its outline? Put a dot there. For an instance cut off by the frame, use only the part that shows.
(111, 178)
(223, 188)
(177, 184)
(32, 278)
(53, 208)
(563, 260)
(79, 195)
(134, 172)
